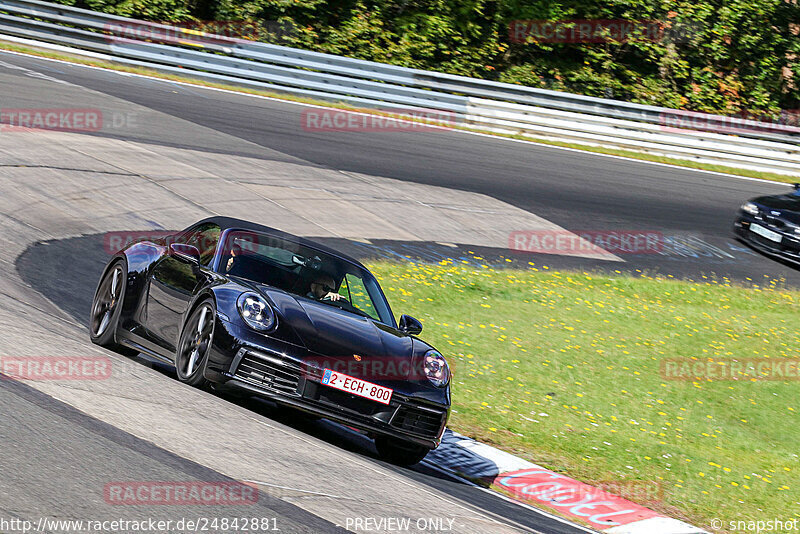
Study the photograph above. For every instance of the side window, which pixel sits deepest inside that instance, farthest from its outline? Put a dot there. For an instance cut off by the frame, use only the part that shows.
(358, 295)
(206, 239)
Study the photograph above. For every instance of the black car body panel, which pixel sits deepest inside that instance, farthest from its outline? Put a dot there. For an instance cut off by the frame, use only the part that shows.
(779, 215)
(286, 364)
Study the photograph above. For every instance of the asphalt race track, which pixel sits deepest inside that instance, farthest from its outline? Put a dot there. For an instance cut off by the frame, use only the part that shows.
(173, 154)
(83, 444)
(80, 261)
(574, 190)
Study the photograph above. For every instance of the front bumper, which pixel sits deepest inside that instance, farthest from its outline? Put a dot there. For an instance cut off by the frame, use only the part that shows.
(788, 248)
(275, 375)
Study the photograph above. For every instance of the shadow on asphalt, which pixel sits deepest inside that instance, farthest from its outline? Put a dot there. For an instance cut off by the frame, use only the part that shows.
(67, 271)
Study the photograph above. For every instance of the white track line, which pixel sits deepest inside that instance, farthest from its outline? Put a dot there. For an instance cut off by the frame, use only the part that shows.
(469, 132)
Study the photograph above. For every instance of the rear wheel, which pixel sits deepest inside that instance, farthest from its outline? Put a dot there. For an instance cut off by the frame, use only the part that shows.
(107, 307)
(195, 344)
(400, 452)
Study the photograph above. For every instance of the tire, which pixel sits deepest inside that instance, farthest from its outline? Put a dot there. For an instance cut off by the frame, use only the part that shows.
(107, 307)
(196, 339)
(400, 452)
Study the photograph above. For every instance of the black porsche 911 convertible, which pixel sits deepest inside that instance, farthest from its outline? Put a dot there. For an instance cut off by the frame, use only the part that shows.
(244, 306)
(771, 224)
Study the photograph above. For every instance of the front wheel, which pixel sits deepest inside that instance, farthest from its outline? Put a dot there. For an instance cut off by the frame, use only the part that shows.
(400, 452)
(107, 306)
(195, 344)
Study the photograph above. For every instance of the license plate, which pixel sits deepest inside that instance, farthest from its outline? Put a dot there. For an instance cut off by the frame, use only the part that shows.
(356, 386)
(769, 234)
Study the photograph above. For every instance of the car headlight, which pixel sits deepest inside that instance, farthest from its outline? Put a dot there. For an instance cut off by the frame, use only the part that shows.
(749, 208)
(436, 368)
(256, 312)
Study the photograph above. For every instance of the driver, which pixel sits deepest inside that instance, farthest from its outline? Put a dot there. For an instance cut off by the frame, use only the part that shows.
(324, 287)
(236, 252)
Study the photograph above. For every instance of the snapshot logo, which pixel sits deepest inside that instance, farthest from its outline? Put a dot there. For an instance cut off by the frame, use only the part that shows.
(775, 524)
(389, 120)
(40, 368)
(745, 369)
(595, 31)
(676, 121)
(180, 493)
(580, 242)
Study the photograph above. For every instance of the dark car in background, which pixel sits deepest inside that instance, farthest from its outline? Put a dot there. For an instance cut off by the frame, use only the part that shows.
(244, 306)
(771, 224)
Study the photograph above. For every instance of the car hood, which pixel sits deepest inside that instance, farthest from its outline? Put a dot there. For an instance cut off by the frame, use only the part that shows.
(788, 205)
(328, 331)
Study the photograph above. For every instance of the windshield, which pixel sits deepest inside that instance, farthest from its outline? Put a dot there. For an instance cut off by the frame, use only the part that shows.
(305, 272)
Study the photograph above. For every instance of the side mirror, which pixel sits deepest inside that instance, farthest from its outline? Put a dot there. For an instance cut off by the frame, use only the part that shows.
(409, 325)
(185, 252)
(796, 186)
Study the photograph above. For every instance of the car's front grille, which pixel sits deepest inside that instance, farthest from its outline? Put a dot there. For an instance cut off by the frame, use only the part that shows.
(268, 373)
(424, 422)
(349, 401)
(766, 242)
(776, 223)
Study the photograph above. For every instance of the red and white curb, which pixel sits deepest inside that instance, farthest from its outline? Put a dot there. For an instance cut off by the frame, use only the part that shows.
(529, 483)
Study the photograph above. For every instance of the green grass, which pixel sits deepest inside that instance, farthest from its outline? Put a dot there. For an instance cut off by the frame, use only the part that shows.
(75, 58)
(564, 369)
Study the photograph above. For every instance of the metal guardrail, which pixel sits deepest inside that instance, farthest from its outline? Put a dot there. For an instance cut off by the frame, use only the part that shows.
(472, 102)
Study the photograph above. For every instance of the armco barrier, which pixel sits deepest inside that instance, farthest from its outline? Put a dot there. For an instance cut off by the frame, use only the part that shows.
(481, 104)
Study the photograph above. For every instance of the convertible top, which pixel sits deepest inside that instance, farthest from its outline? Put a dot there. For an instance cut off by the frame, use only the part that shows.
(231, 223)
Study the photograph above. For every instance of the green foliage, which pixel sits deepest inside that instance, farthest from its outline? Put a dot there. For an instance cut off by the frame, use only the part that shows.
(723, 56)
(157, 10)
